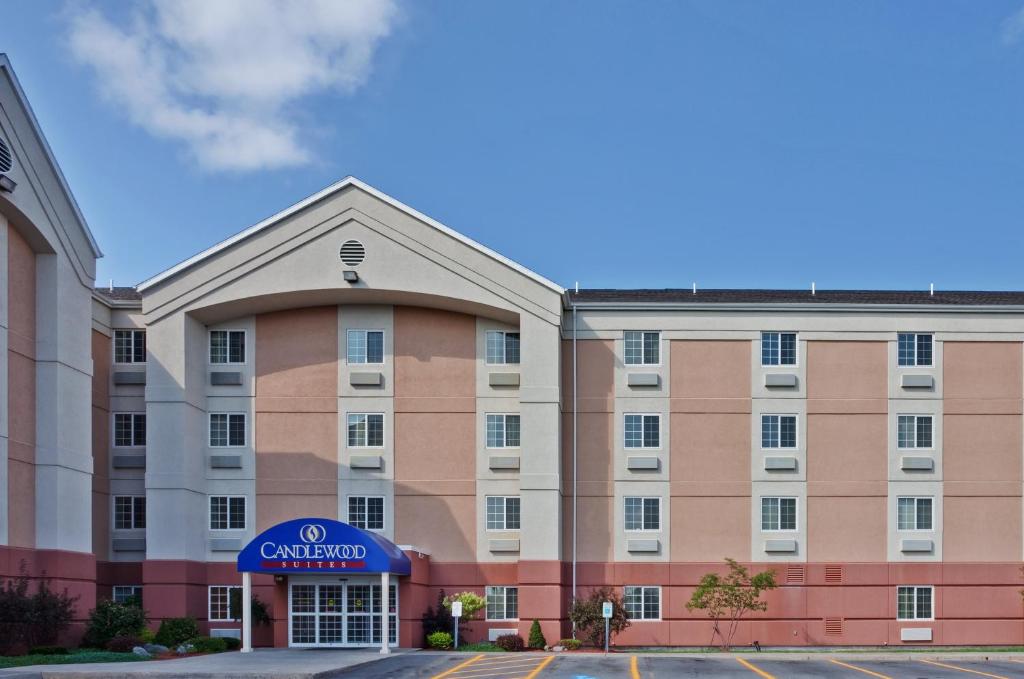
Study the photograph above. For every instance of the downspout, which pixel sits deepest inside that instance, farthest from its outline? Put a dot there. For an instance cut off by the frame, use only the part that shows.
(575, 411)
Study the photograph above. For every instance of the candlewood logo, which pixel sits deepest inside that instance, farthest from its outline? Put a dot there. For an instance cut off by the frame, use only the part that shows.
(312, 532)
(312, 536)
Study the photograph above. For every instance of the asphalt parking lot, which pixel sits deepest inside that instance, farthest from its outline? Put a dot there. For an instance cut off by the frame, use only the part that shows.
(625, 666)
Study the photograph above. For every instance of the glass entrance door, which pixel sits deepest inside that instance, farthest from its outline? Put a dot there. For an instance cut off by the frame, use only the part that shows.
(339, 614)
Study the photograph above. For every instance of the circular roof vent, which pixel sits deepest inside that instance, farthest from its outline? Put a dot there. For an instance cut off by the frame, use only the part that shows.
(6, 161)
(352, 252)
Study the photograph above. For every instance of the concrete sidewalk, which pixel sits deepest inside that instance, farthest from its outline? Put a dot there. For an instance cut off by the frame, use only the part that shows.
(266, 663)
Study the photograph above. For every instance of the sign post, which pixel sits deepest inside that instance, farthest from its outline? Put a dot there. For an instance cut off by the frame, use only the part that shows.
(456, 614)
(606, 613)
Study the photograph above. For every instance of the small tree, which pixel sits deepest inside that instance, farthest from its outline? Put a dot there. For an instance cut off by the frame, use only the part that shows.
(258, 609)
(586, 617)
(730, 597)
(36, 619)
(537, 639)
(472, 603)
(437, 620)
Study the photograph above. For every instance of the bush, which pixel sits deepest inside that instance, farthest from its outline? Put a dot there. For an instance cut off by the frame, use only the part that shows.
(260, 614)
(437, 620)
(586, 615)
(174, 631)
(570, 644)
(28, 620)
(124, 644)
(147, 635)
(440, 640)
(208, 644)
(110, 620)
(537, 639)
(510, 642)
(472, 603)
(48, 650)
(232, 643)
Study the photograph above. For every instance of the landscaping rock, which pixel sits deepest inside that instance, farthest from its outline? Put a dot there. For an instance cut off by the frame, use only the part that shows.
(156, 649)
(185, 649)
(141, 652)
(558, 649)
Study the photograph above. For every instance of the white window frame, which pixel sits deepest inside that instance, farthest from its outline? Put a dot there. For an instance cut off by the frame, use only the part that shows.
(780, 529)
(245, 430)
(492, 589)
(366, 343)
(916, 417)
(367, 498)
(504, 347)
(642, 589)
(113, 429)
(136, 591)
(366, 440)
(643, 362)
(915, 364)
(625, 441)
(796, 349)
(209, 603)
(796, 431)
(134, 333)
(113, 512)
(504, 513)
(504, 431)
(228, 361)
(643, 513)
(915, 588)
(915, 498)
(229, 528)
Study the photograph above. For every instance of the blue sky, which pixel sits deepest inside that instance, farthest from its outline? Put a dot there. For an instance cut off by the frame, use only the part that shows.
(650, 144)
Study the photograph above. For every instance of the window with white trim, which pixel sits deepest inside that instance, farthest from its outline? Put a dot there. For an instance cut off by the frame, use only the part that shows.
(502, 430)
(502, 512)
(129, 512)
(642, 513)
(913, 431)
(641, 347)
(127, 594)
(365, 430)
(365, 347)
(129, 430)
(502, 603)
(366, 512)
(642, 431)
(129, 346)
(914, 602)
(778, 431)
(913, 513)
(778, 348)
(502, 347)
(227, 512)
(227, 346)
(778, 513)
(227, 430)
(642, 602)
(914, 349)
(220, 603)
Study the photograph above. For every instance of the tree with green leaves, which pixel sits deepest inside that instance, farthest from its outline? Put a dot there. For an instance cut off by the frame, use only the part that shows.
(588, 621)
(727, 598)
(472, 603)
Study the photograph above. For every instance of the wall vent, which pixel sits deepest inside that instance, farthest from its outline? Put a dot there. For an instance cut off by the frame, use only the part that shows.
(6, 160)
(833, 575)
(352, 253)
(833, 627)
(795, 574)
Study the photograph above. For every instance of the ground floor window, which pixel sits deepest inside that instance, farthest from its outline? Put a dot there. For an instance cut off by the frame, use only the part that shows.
(339, 614)
(220, 603)
(914, 603)
(502, 603)
(642, 602)
(127, 594)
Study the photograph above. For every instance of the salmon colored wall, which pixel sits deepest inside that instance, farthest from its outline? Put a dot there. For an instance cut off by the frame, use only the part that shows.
(847, 448)
(296, 425)
(979, 529)
(982, 448)
(711, 448)
(847, 370)
(847, 528)
(710, 369)
(21, 389)
(595, 374)
(982, 370)
(435, 432)
(101, 360)
(710, 528)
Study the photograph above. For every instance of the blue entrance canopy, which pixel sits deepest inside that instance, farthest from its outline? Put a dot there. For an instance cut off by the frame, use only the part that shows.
(315, 545)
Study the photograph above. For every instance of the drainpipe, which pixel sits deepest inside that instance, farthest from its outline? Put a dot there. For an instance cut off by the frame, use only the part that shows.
(575, 411)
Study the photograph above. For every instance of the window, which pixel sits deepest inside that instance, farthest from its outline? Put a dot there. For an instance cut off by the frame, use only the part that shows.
(220, 603)
(642, 603)
(914, 513)
(129, 429)
(643, 431)
(127, 594)
(914, 431)
(642, 348)
(366, 346)
(913, 349)
(502, 347)
(129, 512)
(502, 431)
(366, 512)
(778, 513)
(502, 513)
(914, 603)
(129, 346)
(365, 430)
(502, 603)
(643, 513)
(778, 348)
(227, 513)
(227, 430)
(778, 431)
(227, 346)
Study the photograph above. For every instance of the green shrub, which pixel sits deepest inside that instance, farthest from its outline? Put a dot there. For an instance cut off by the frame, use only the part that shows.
(510, 642)
(586, 615)
(48, 650)
(438, 620)
(472, 603)
(260, 614)
(233, 644)
(440, 640)
(537, 639)
(28, 620)
(109, 620)
(147, 635)
(123, 644)
(208, 644)
(174, 631)
(570, 644)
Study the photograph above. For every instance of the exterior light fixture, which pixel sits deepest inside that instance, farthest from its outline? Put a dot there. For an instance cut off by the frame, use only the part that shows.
(7, 184)
(351, 276)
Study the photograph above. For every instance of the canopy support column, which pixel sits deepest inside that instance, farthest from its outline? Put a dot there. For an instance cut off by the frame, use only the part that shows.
(385, 581)
(246, 612)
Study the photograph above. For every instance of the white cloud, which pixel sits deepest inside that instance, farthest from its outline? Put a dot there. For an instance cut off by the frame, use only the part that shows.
(223, 76)
(1013, 28)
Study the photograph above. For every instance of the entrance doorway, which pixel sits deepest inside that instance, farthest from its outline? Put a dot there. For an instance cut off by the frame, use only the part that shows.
(339, 612)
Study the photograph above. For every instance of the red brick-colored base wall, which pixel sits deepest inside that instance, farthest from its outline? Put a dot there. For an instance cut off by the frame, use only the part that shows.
(74, 572)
